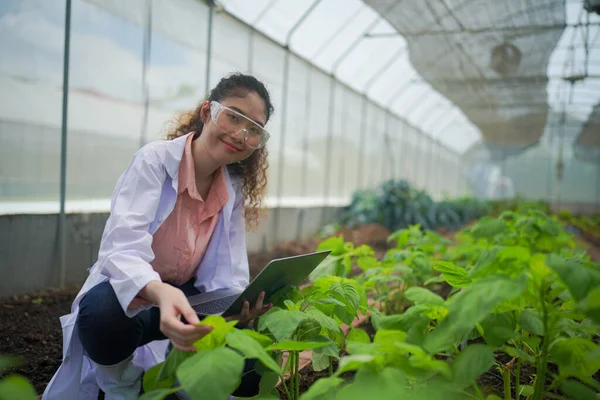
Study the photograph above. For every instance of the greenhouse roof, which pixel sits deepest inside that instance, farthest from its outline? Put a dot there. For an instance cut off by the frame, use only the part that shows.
(463, 71)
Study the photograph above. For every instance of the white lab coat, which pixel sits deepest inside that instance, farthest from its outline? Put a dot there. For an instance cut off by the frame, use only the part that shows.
(144, 196)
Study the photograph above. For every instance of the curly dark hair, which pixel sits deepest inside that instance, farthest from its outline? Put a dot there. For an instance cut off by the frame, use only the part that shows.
(252, 170)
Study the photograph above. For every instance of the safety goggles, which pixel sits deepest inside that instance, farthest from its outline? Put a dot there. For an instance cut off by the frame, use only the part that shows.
(235, 123)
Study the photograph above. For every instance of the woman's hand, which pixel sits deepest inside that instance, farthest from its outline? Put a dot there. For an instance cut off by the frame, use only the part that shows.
(173, 304)
(247, 314)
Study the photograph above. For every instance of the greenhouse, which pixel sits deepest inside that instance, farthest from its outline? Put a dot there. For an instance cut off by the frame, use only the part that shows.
(419, 209)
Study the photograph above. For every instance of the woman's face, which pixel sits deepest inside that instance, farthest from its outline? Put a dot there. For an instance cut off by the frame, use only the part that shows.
(227, 146)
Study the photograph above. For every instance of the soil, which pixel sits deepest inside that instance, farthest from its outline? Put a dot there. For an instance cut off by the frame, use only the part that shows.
(30, 325)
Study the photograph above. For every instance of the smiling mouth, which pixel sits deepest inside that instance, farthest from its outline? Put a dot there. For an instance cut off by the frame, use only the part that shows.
(230, 146)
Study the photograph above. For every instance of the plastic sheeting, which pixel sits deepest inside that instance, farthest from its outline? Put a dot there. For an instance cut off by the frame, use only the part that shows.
(485, 56)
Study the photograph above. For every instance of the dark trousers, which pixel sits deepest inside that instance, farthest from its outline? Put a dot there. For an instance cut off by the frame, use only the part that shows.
(109, 336)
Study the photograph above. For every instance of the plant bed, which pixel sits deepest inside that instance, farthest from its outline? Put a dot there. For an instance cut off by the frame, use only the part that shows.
(31, 328)
(308, 376)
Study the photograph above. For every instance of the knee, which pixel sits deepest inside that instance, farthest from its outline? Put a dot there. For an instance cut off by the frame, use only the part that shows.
(103, 327)
(100, 308)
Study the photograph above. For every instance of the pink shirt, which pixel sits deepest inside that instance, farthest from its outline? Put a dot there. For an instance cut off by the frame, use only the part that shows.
(180, 242)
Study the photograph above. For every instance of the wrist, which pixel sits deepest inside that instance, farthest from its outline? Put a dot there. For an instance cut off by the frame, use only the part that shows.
(152, 291)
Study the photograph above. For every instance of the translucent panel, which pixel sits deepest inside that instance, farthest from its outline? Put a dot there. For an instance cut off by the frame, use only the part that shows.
(31, 68)
(352, 136)
(318, 129)
(231, 47)
(105, 111)
(268, 61)
(177, 70)
(297, 159)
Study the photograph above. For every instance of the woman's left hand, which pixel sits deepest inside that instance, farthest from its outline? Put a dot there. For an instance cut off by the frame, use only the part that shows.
(248, 314)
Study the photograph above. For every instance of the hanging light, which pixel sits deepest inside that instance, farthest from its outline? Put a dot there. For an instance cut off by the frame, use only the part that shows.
(506, 59)
(592, 6)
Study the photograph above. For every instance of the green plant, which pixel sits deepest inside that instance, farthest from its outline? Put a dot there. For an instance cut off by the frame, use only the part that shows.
(301, 319)
(310, 319)
(14, 386)
(395, 205)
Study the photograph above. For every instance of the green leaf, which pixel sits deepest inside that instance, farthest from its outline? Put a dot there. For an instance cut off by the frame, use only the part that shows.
(531, 321)
(216, 337)
(167, 374)
(322, 319)
(518, 353)
(419, 295)
(498, 328)
(488, 227)
(290, 345)
(367, 262)
(386, 336)
(283, 323)
(158, 394)
(250, 348)
(470, 307)
(578, 278)
(151, 381)
(212, 374)
(264, 340)
(334, 243)
(493, 397)
(390, 383)
(7, 362)
(353, 362)
(322, 355)
(591, 305)
(578, 391)
(576, 357)
(455, 276)
(17, 387)
(435, 279)
(307, 331)
(470, 363)
(329, 267)
(323, 389)
(358, 335)
(515, 253)
(526, 390)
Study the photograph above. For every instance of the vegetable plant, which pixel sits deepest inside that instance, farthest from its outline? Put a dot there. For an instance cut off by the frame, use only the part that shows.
(14, 386)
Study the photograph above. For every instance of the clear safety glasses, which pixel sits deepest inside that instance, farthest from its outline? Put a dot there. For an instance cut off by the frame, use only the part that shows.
(235, 123)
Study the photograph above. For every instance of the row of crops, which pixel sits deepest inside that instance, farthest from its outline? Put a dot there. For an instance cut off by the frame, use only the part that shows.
(512, 296)
(509, 308)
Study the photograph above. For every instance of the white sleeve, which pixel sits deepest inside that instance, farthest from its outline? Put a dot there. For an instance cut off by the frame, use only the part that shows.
(126, 249)
(237, 241)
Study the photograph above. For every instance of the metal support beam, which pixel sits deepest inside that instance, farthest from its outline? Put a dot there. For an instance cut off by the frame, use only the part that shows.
(209, 47)
(146, 51)
(62, 219)
(515, 30)
(515, 80)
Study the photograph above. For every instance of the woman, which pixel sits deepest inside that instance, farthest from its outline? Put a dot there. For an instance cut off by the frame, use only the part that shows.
(176, 228)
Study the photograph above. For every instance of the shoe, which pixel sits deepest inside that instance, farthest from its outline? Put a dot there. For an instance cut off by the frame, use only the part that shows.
(122, 381)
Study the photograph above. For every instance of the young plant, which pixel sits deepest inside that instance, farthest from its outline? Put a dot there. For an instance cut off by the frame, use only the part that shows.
(14, 386)
(548, 318)
(310, 319)
(343, 256)
(215, 369)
